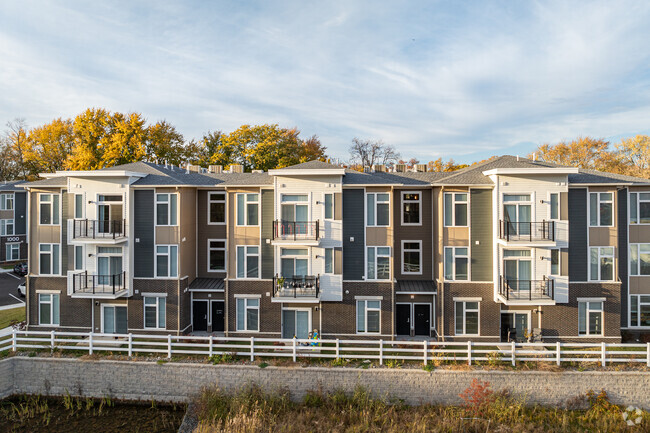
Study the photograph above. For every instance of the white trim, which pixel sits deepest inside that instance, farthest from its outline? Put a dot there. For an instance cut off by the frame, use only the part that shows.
(169, 210)
(307, 172)
(453, 263)
(598, 201)
(587, 311)
(325, 206)
(51, 307)
(601, 299)
(225, 205)
(600, 256)
(478, 311)
(225, 254)
(550, 206)
(365, 315)
(418, 201)
(294, 309)
(419, 242)
(259, 208)
(45, 292)
(240, 295)
(169, 262)
(365, 204)
(51, 253)
(365, 266)
(467, 299)
(159, 295)
(369, 298)
(453, 208)
(246, 255)
(531, 170)
(51, 203)
(157, 307)
(246, 307)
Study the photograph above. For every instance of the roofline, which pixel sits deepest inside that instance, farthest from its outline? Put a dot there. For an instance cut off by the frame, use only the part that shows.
(307, 172)
(571, 184)
(189, 185)
(541, 170)
(93, 173)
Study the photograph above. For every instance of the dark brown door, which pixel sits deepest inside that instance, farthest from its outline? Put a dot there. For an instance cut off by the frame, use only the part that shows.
(422, 313)
(200, 315)
(218, 316)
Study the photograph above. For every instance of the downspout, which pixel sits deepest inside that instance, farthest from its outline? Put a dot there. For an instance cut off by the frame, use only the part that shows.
(392, 281)
(178, 318)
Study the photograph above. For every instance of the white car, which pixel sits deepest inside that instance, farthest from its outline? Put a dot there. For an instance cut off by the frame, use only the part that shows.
(22, 290)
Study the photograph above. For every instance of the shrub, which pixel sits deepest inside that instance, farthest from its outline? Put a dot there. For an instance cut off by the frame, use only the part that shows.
(477, 397)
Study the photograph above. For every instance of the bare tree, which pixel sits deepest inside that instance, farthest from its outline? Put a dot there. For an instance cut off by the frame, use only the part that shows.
(16, 137)
(367, 153)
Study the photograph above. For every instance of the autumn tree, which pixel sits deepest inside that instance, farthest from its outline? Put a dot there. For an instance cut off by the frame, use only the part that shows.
(9, 168)
(164, 144)
(366, 153)
(583, 152)
(16, 139)
(440, 166)
(49, 146)
(634, 155)
(92, 130)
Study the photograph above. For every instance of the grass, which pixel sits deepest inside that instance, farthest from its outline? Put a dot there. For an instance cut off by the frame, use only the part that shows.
(9, 317)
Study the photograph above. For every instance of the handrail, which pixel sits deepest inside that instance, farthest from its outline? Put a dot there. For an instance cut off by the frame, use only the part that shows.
(527, 289)
(296, 230)
(307, 286)
(98, 229)
(527, 231)
(83, 282)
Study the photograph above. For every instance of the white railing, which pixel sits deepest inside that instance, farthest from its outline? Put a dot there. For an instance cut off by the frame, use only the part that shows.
(380, 350)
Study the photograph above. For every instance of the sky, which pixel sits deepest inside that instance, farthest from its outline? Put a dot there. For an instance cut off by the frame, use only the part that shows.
(462, 80)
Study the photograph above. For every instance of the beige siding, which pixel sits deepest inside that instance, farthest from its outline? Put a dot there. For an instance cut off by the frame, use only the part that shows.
(603, 236)
(240, 235)
(640, 285)
(187, 228)
(639, 234)
(38, 233)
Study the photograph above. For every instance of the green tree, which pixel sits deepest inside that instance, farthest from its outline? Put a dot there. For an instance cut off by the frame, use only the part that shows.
(164, 144)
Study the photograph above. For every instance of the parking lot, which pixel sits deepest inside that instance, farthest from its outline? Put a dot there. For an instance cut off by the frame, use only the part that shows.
(9, 289)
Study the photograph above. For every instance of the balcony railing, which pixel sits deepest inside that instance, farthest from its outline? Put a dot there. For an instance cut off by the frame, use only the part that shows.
(527, 290)
(84, 282)
(98, 229)
(291, 230)
(527, 231)
(306, 286)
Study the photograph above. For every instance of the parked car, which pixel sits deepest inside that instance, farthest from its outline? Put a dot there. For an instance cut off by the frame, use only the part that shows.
(22, 289)
(20, 269)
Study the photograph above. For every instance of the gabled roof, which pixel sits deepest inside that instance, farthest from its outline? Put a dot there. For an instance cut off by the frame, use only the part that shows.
(312, 165)
(382, 178)
(14, 185)
(49, 183)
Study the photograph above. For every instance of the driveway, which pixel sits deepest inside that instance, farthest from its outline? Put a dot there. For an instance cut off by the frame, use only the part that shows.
(9, 289)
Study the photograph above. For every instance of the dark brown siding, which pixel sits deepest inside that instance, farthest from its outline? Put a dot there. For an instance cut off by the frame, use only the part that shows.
(206, 231)
(413, 233)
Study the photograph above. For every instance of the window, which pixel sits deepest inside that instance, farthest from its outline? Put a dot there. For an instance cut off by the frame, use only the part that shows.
(78, 206)
(639, 208)
(329, 206)
(48, 309)
(294, 262)
(216, 208)
(78, 257)
(639, 259)
(166, 261)
(216, 255)
(368, 316)
(248, 313)
(154, 311)
(412, 257)
(377, 209)
(601, 209)
(48, 259)
(6, 227)
(411, 208)
(467, 317)
(13, 252)
(247, 209)
(456, 263)
(329, 260)
(166, 209)
(639, 310)
(602, 263)
(555, 206)
(248, 259)
(378, 263)
(590, 318)
(456, 209)
(555, 262)
(49, 209)
(6, 201)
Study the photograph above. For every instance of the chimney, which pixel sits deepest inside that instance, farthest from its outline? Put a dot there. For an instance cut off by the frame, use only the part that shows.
(379, 168)
(420, 168)
(215, 168)
(400, 168)
(236, 168)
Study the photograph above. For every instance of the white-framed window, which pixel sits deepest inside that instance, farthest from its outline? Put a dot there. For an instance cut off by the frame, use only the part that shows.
(78, 206)
(601, 209)
(555, 261)
(154, 311)
(411, 208)
(294, 262)
(412, 257)
(248, 314)
(456, 263)
(248, 209)
(639, 259)
(49, 209)
(601, 263)
(590, 317)
(640, 310)
(554, 202)
(48, 309)
(13, 252)
(6, 227)
(640, 208)
(79, 257)
(378, 263)
(467, 317)
(377, 209)
(167, 209)
(455, 209)
(329, 206)
(368, 316)
(216, 255)
(48, 259)
(329, 260)
(216, 207)
(248, 261)
(166, 261)
(7, 201)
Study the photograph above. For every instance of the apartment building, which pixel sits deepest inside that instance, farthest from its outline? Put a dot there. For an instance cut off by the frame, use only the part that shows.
(509, 249)
(13, 222)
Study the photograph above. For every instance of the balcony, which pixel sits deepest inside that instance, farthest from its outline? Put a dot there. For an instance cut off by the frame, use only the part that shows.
(99, 229)
(298, 287)
(295, 231)
(84, 283)
(527, 231)
(527, 290)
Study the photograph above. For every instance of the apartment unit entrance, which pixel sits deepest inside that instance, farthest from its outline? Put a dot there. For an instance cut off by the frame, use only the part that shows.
(217, 316)
(296, 322)
(199, 316)
(515, 326)
(114, 319)
(413, 318)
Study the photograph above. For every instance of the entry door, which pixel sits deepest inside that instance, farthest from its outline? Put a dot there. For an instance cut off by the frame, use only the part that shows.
(200, 315)
(109, 266)
(506, 326)
(295, 323)
(514, 326)
(217, 316)
(403, 319)
(518, 217)
(521, 326)
(114, 321)
(518, 273)
(422, 313)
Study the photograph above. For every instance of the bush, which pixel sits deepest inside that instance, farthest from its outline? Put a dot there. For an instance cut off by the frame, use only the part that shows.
(477, 396)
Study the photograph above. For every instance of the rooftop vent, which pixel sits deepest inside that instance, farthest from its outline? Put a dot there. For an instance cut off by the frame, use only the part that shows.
(366, 169)
(193, 168)
(400, 168)
(236, 168)
(420, 168)
(215, 168)
(379, 168)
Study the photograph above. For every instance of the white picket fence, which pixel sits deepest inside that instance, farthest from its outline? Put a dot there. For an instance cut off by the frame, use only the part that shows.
(380, 350)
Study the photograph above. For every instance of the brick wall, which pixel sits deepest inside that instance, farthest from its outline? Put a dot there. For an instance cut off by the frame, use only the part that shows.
(489, 311)
(270, 315)
(75, 314)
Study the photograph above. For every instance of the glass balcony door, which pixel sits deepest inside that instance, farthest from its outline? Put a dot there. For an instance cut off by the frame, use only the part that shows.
(295, 323)
(517, 212)
(109, 263)
(517, 269)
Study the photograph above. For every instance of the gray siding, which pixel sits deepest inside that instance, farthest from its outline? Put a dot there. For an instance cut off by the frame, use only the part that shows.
(267, 233)
(578, 234)
(65, 215)
(481, 234)
(623, 251)
(20, 213)
(353, 218)
(143, 230)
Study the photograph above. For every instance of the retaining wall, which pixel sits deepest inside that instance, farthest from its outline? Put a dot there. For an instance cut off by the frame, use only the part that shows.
(180, 381)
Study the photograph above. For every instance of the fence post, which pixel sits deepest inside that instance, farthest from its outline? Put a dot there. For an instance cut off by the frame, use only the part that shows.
(252, 348)
(90, 343)
(169, 346)
(52, 341)
(603, 352)
(513, 353)
(426, 349)
(294, 348)
(338, 356)
(381, 352)
(130, 344)
(469, 352)
(648, 355)
(558, 359)
(13, 340)
(210, 347)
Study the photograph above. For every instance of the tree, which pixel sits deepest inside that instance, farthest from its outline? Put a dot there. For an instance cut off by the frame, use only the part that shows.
(313, 150)
(634, 155)
(92, 130)
(583, 152)
(49, 146)
(16, 136)
(440, 166)
(367, 153)
(126, 141)
(164, 144)
(9, 168)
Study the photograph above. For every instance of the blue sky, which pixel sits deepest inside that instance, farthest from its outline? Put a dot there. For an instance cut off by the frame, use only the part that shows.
(464, 80)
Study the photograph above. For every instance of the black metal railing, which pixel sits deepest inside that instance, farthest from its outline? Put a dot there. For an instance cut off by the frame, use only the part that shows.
(287, 230)
(527, 231)
(84, 282)
(522, 290)
(304, 286)
(98, 229)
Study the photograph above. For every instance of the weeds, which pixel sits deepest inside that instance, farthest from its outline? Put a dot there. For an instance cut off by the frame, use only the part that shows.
(393, 363)
(225, 358)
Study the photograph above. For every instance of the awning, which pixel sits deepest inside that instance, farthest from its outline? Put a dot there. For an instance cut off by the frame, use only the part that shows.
(415, 286)
(205, 284)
